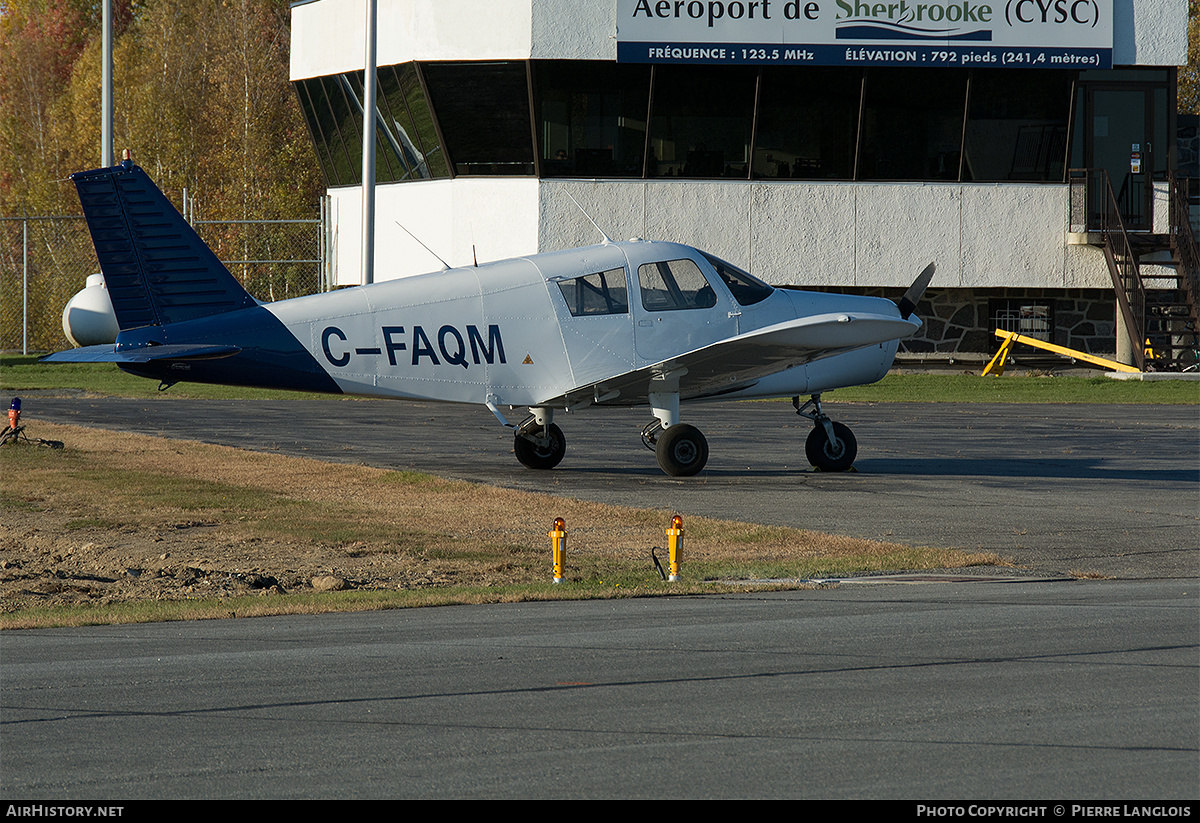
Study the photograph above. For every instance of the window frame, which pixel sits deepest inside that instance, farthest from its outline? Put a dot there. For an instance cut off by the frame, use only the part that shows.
(575, 303)
(743, 280)
(680, 300)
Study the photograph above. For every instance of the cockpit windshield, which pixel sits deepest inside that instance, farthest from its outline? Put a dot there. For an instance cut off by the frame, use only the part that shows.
(746, 288)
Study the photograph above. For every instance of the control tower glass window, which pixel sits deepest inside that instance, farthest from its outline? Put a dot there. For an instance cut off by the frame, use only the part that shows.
(701, 122)
(592, 117)
(1017, 125)
(912, 124)
(483, 111)
(807, 123)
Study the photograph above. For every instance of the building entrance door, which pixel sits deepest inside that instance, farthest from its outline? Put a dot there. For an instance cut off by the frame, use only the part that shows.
(1125, 120)
(1119, 138)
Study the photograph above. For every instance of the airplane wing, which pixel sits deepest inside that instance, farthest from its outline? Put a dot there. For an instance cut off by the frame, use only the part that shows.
(739, 362)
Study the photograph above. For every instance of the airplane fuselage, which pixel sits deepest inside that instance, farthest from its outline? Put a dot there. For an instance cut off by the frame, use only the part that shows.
(503, 333)
(631, 323)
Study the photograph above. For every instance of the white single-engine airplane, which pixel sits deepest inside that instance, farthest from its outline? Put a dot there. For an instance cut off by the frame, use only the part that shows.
(616, 324)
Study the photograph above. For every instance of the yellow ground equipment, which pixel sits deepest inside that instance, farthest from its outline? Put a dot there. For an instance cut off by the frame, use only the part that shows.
(996, 366)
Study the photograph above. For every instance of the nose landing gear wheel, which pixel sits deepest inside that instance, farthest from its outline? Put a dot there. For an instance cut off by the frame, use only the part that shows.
(837, 456)
(541, 456)
(682, 450)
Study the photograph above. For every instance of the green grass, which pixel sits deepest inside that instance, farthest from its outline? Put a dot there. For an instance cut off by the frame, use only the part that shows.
(213, 608)
(1018, 388)
(25, 373)
(599, 584)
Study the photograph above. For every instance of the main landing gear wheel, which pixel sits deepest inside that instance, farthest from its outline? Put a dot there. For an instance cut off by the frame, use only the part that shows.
(682, 450)
(831, 456)
(536, 455)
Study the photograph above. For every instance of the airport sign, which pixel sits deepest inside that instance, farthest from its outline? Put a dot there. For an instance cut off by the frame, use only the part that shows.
(936, 33)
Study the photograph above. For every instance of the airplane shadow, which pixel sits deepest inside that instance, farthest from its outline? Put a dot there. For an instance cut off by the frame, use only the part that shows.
(997, 468)
(1079, 469)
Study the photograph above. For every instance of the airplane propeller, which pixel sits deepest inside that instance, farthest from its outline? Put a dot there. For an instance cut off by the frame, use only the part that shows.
(908, 303)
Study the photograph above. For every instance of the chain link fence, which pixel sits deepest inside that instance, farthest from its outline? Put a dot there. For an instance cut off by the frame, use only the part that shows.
(44, 261)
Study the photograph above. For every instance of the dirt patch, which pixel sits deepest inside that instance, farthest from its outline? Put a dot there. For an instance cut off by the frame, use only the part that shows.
(118, 517)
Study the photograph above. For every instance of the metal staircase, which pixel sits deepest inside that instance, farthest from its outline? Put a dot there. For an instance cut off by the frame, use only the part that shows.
(1157, 302)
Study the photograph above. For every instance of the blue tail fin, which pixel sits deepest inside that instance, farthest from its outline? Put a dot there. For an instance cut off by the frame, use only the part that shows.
(156, 268)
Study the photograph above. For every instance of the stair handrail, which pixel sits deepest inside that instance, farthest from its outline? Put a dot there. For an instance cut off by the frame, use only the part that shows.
(1122, 262)
(1184, 239)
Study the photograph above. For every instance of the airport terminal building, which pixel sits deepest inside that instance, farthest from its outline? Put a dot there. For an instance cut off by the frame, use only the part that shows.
(830, 144)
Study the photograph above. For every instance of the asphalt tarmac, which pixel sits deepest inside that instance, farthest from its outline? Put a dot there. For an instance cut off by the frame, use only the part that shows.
(1064, 489)
(1033, 693)
(1053, 692)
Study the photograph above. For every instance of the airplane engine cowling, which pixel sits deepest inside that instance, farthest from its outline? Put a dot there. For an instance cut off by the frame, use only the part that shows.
(88, 317)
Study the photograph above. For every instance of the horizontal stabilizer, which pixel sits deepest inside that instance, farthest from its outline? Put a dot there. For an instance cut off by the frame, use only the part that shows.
(145, 354)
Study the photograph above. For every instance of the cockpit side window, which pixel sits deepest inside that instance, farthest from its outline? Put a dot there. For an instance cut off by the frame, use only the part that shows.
(601, 293)
(746, 288)
(671, 285)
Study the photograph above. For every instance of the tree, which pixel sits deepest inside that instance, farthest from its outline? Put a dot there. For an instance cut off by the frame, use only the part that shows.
(201, 98)
(1189, 75)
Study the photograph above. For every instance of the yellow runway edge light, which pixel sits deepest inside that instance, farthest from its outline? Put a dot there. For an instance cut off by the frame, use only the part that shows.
(558, 540)
(675, 542)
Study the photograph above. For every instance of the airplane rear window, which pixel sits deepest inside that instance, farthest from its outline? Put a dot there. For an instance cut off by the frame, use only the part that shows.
(746, 288)
(601, 293)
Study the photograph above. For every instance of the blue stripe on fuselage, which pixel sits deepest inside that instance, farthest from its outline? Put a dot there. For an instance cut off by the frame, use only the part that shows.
(271, 357)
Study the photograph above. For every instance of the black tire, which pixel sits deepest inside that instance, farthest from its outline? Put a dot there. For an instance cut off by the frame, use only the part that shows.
(831, 457)
(682, 450)
(534, 456)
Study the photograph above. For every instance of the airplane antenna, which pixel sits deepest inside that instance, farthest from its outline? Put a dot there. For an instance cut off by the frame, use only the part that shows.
(607, 239)
(474, 256)
(445, 265)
